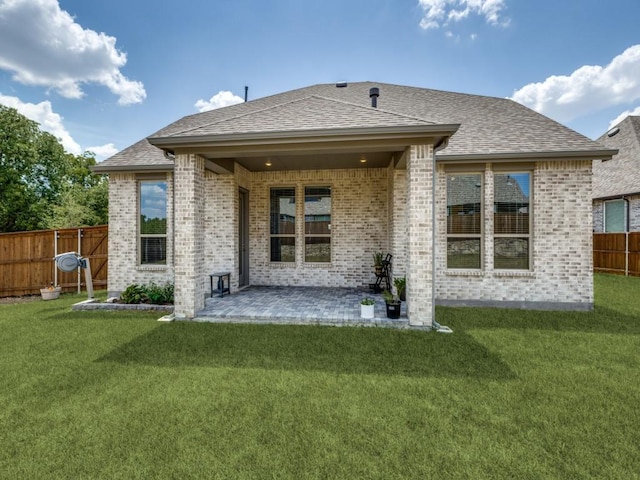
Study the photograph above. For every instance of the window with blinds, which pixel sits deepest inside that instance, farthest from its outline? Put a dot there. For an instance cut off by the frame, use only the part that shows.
(283, 224)
(464, 221)
(317, 224)
(152, 225)
(512, 221)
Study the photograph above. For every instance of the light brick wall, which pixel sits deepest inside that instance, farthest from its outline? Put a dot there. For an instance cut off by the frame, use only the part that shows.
(598, 216)
(398, 224)
(419, 213)
(370, 211)
(562, 244)
(634, 214)
(358, 227)
(124, 269)
(189, 235)
(221, 226)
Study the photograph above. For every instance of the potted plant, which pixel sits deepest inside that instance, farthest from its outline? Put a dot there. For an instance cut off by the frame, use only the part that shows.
(366, 307)
(51, 292)
(393, 304)
(377, 262)
(401, 286)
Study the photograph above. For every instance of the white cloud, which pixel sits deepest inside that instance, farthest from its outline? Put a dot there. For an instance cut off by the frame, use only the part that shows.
(623, 115)
(51, 122)
(103, 151)
(588, 89)
(221, 99)
(441, 13)
(43, 45)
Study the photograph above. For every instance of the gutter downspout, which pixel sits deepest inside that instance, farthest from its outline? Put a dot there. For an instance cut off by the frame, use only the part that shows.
(434, 233)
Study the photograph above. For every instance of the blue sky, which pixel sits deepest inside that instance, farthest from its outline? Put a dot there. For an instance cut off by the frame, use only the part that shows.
(101, 75)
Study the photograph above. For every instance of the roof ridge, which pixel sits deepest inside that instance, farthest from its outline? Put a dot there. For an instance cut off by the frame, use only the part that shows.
(298, 100)
(373, 109)
(234, 117)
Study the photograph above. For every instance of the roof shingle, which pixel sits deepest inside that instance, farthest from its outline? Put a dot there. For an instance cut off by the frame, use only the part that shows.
(489, 125)
(620, 175)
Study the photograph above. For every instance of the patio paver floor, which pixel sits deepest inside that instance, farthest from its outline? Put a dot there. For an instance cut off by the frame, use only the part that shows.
(298, 306)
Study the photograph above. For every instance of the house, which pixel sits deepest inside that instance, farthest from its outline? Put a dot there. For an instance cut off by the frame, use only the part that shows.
(616, 182)
(480, 200)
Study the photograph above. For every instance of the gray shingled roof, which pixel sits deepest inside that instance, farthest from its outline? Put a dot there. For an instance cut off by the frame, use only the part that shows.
(620, 175)
(489, 125)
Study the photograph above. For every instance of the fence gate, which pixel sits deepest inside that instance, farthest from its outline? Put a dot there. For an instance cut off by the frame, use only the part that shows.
(26, 259)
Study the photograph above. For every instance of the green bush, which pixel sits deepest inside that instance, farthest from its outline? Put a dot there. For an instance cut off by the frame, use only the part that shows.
(151, 293)
(160, 294)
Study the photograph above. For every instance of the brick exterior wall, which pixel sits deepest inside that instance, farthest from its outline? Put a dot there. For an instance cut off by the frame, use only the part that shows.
(397, 218)
(634, 214)
(372, 209)
(358, 227)
(189, 235)
(123, 235)
(598, 216)
(562, 243)
(419, 214)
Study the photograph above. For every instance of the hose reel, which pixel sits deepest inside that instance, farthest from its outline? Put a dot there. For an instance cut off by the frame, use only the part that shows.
(70, 261)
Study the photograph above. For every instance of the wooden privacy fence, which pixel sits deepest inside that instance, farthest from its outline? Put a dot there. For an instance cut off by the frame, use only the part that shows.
(26, 259)
(617, 253)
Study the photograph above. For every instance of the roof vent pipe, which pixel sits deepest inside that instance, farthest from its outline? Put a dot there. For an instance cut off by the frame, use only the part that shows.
(374, 93)
(246, 92)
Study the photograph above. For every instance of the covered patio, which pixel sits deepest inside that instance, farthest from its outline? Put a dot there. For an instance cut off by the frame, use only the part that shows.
(298, 306)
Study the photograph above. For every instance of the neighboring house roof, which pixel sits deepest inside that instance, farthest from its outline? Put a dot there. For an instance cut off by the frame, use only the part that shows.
(489, 126)
(620, 175)
(467, 190)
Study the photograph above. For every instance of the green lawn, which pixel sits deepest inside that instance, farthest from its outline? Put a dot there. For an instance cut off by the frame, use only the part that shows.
(511, 394)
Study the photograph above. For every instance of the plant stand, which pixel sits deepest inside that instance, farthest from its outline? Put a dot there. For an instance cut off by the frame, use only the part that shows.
(382, 274)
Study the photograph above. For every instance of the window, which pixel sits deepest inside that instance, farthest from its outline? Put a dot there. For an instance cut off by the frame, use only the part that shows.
(317, 224)
(614, 216)
(511, 221)
(153, 222)
(283, 224)
(464, 221)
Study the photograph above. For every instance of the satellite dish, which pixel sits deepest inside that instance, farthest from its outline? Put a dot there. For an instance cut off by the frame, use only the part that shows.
(70, 261)
(67, 262)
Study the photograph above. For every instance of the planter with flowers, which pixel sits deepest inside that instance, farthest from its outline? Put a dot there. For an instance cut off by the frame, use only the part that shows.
(51, 292)
(367, 306)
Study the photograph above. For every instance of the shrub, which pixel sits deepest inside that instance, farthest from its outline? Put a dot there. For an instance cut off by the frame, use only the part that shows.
(134, 294)
(151, 293)
(160, 294)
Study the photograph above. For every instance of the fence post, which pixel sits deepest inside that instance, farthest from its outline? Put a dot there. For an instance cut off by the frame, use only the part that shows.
(626, 254)
(55, 252)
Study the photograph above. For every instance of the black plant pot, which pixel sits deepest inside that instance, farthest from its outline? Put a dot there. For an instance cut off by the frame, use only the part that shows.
(393, 310)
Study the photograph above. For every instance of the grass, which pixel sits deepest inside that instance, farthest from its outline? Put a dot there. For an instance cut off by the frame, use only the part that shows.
(511, 394)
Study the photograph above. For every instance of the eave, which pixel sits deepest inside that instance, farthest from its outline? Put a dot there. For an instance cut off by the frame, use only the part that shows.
(603, 154)
(305, 141)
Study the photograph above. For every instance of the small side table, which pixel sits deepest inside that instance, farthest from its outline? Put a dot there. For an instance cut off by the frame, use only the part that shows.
(222, 289)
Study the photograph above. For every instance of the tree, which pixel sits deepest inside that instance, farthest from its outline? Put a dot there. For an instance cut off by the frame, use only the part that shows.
(41, 185)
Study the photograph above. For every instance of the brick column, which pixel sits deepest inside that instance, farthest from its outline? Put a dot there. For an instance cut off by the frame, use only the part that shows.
(487, 232)
(398, 222)
(189, 235)
(419, 215)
